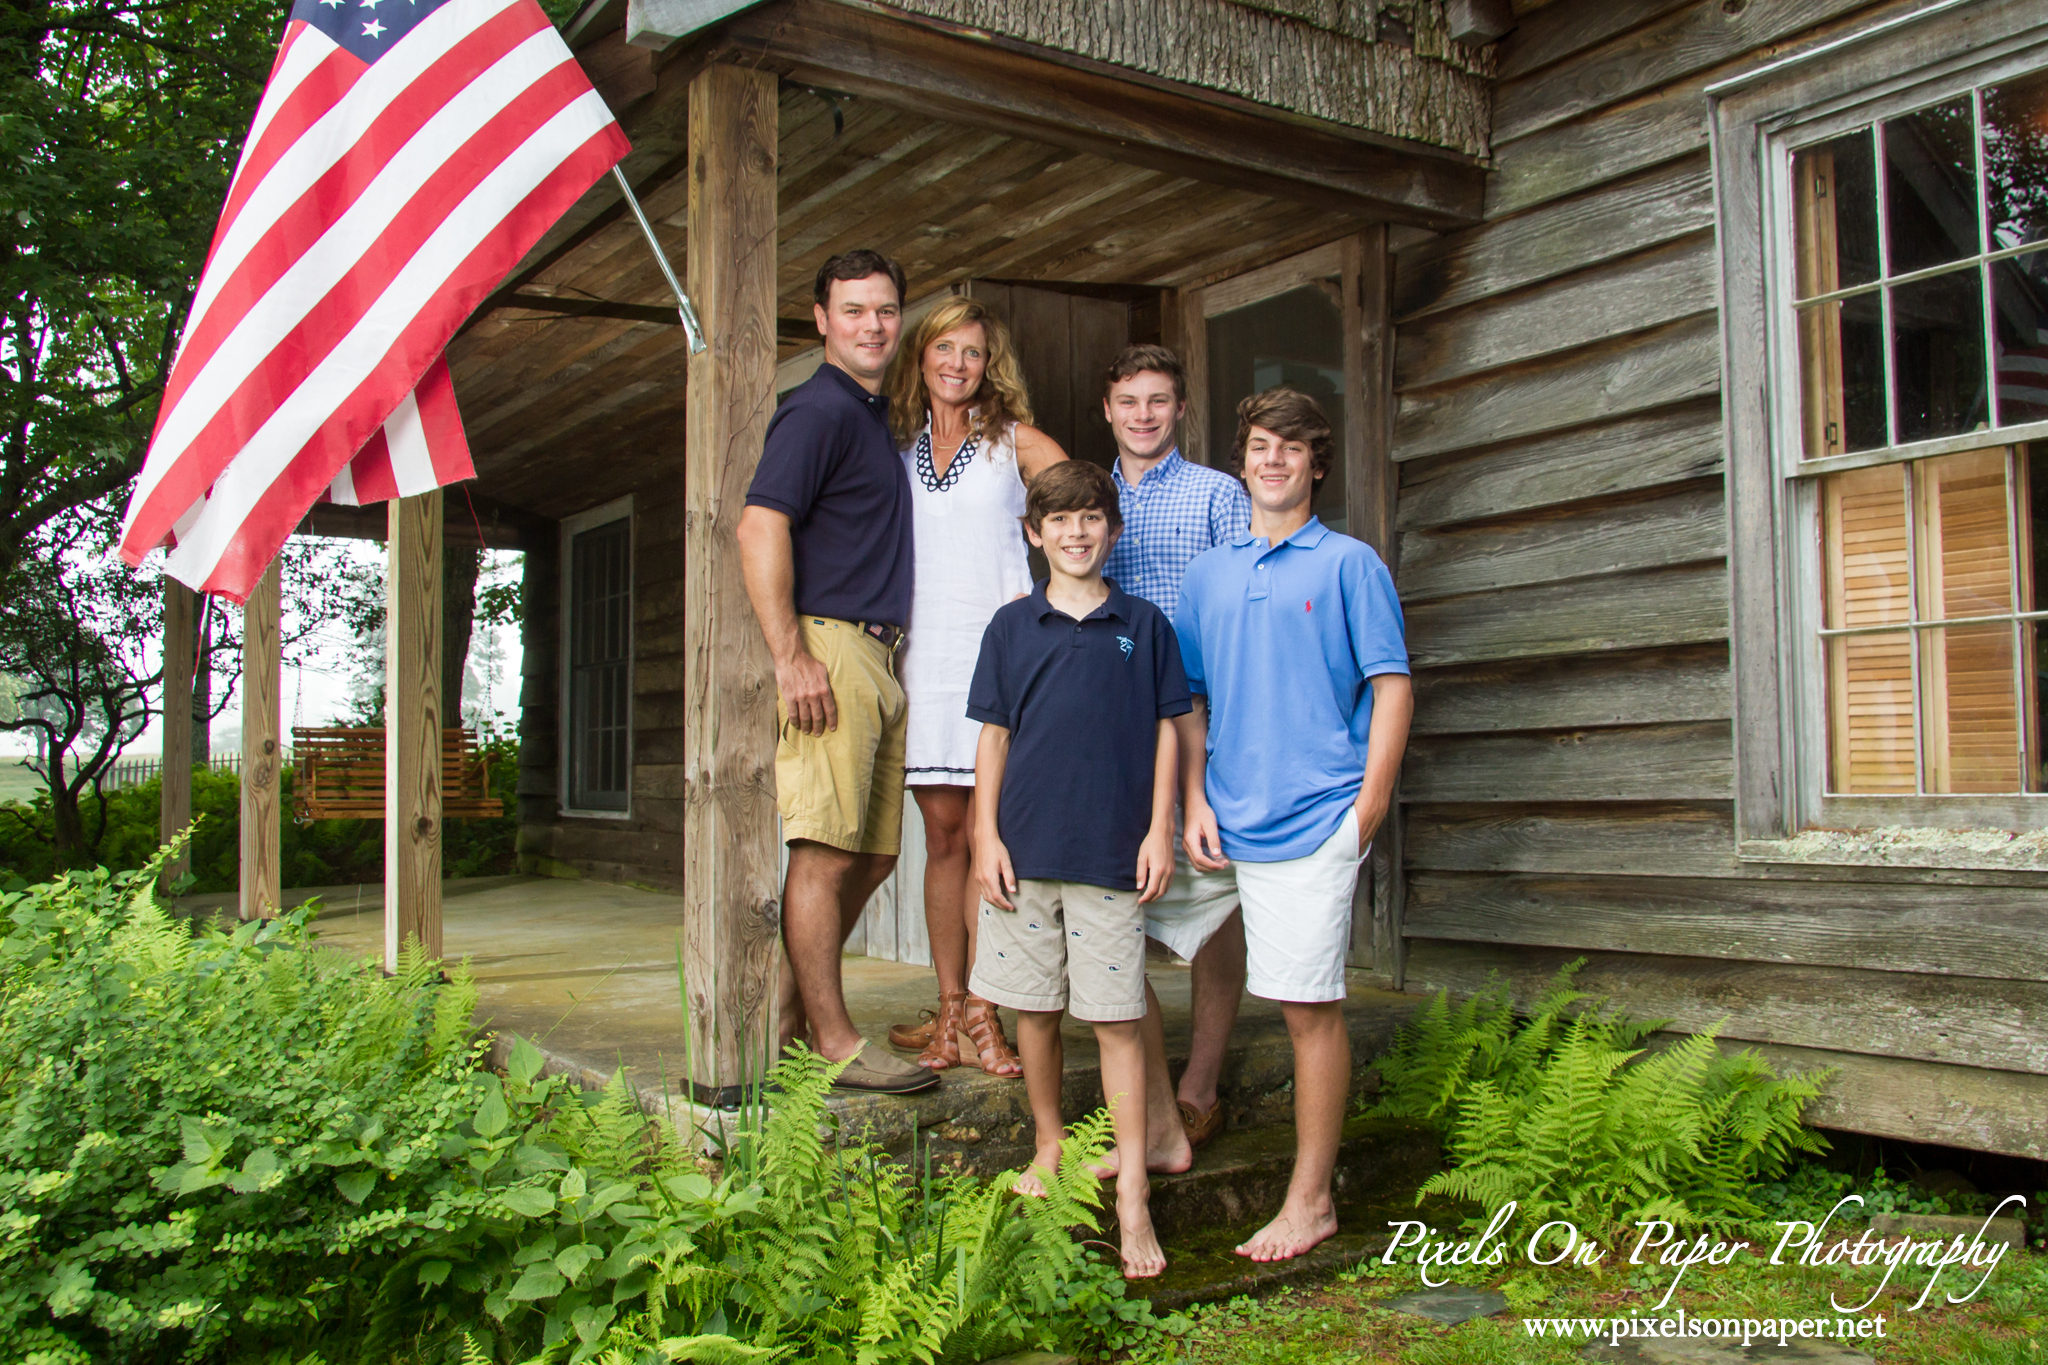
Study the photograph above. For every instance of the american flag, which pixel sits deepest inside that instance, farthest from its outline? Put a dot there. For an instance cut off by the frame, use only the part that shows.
(405, 155)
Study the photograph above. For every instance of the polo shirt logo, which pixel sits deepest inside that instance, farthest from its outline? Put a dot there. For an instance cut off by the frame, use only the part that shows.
(1125, 643)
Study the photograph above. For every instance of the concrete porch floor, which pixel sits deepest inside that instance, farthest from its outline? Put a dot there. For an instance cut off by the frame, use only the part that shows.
(587, 971)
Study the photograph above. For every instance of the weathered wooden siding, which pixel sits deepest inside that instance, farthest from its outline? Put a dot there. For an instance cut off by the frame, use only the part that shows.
(1563, 561)
(647, 847)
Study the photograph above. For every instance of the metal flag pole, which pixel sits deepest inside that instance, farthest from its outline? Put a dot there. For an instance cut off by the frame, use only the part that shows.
(693, 330)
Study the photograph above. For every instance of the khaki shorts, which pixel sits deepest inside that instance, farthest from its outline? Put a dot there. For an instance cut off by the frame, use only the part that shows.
(845, 787)
(1065, 947)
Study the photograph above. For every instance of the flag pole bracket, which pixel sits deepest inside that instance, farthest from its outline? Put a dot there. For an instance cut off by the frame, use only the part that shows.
(693, 330)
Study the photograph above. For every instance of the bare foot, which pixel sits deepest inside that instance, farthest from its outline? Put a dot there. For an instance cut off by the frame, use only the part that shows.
(1045, 1163)
(1293, 1231)
(1142, 1255)
(1167, 1154)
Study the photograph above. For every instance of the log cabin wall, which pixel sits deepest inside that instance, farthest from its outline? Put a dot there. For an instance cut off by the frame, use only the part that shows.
(1569, 787)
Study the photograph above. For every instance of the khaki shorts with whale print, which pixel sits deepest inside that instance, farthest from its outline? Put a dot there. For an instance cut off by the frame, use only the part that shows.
(1067, 946)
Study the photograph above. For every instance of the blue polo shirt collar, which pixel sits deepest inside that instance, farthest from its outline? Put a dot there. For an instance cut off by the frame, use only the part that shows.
(876, 403)
(1307, 538)
(1118, 605)
(1163, 472)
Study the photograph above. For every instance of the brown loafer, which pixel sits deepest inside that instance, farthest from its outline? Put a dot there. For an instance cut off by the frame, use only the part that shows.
(1200, 1126)
(877, 1072)
(914, 1037)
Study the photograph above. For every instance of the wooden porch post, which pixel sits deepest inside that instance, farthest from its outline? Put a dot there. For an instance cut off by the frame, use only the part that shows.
(1186, 329)
(262, 755)
(1372, 486)
(180, 653)
(412, 727)
(732, 905)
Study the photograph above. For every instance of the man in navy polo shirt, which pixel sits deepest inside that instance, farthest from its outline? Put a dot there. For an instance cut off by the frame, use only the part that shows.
(1077, 688)
(1293, 633)
(825, 551)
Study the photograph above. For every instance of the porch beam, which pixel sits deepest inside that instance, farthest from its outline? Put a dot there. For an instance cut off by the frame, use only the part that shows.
(974, 78)
(181, 641)
(262, 751)
(731, 892)
(412, 727)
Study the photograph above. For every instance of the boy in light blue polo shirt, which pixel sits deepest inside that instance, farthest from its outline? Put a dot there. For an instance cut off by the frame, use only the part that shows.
(1292, 632)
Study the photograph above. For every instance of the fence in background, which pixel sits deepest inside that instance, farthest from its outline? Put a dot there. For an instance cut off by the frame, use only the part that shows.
(133, 772)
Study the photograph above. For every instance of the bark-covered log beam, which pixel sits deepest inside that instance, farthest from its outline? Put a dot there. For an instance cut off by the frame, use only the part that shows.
(981, 80)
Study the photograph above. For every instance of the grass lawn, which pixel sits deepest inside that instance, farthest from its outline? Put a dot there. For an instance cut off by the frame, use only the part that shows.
(17, 783)
(1344, 1321)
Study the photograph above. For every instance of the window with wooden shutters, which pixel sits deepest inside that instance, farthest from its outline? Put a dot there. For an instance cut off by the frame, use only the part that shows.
(1918, 314)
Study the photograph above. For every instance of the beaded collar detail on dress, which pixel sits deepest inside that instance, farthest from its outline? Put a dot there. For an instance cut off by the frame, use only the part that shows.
(928, 469)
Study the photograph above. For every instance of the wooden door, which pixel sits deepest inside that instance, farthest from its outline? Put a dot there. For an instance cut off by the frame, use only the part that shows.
(1064, 344)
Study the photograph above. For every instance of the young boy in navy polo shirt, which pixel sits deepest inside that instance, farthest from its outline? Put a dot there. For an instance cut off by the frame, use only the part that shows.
(1293, 634)
(1076, 689)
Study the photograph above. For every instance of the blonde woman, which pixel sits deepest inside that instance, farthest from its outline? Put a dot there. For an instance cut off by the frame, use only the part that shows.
(957, 400)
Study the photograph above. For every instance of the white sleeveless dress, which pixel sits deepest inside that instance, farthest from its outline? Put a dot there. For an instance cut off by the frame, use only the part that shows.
(971, 558)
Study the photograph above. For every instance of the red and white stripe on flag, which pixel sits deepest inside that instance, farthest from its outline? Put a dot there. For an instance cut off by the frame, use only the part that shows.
(420, 447)
(397, 167)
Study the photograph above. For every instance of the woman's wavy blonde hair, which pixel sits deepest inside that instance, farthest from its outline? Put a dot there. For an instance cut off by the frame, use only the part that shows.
(1001, 399)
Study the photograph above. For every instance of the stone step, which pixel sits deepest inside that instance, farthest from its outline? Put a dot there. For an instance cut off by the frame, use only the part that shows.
(1241, 1178)
(1237, 1185)
(982, 1123)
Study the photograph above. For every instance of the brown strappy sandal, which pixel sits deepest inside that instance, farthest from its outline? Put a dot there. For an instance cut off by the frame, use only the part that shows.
(914, 1037)
(984, 1028)
(943, 1051)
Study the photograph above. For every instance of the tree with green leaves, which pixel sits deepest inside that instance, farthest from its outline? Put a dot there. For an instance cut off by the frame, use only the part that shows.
(120, 123)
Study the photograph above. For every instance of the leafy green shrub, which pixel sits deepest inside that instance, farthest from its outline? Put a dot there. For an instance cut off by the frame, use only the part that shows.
(315, 853)
(1564, 1114)
(222, 1145)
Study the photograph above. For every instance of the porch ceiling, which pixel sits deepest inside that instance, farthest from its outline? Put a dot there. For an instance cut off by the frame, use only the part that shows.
(565, 412)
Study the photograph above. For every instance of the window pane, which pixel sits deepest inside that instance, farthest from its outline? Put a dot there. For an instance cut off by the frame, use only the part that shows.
(1969, 719)
(1965, 540)
(1870, 712)
(1930, 163)
(1863, 520)
(2019, 302)
(1835, 190)
(1841, 365)
(2016, 160)
(1938, 356)
(1295, 339)
(600, 666)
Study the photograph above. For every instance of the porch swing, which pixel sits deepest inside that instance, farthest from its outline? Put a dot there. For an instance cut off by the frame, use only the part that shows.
(341, 774)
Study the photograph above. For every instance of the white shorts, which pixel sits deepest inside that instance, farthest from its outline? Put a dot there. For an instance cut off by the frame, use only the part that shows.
(1194, 907)
(1297, 919)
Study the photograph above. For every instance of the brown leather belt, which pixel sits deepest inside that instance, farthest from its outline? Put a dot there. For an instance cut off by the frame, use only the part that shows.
(890, 636)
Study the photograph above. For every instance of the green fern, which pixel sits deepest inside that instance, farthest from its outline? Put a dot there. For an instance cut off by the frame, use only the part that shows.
(1563, 1113)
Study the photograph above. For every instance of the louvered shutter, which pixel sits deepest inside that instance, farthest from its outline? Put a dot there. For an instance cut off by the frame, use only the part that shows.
(1969, 710)
(1870, 677)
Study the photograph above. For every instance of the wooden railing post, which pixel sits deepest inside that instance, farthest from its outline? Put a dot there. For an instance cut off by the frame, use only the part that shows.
(412, 728)
(174, 809)
(262, 754)
(732, 906)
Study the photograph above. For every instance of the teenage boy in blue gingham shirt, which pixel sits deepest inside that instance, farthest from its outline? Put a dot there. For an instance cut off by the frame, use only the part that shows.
(1173, 510)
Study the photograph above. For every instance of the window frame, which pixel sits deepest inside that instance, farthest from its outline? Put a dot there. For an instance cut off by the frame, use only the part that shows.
(572, 526)
(1774, 555)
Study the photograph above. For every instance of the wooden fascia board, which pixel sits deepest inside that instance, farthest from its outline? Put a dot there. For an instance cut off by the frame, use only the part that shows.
(982, 80)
